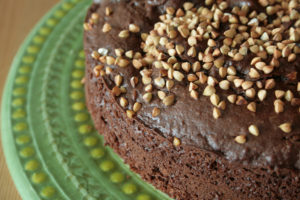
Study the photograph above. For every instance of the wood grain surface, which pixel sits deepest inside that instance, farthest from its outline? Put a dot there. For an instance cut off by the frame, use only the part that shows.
(18, 17)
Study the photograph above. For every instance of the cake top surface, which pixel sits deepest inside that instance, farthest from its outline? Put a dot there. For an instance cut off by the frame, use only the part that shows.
(218, 75)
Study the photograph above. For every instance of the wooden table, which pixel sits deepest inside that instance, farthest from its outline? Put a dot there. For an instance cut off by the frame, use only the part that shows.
(18, 17)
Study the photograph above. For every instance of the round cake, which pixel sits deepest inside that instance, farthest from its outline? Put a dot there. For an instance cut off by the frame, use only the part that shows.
(200, 98)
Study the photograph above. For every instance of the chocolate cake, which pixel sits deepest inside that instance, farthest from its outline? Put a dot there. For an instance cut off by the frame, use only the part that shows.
(200, 98)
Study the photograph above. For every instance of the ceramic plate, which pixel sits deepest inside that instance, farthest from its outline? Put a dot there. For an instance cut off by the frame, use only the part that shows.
(50, 144)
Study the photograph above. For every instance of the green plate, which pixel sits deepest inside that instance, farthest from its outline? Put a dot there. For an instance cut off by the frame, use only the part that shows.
(51, 147)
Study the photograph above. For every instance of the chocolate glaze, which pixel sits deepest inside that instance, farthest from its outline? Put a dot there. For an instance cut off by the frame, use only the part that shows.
(191, 120)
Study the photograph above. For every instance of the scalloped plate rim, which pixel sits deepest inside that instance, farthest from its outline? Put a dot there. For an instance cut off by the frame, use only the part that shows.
(13, 162)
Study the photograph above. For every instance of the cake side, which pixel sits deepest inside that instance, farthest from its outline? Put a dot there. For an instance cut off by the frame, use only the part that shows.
(183, 172)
